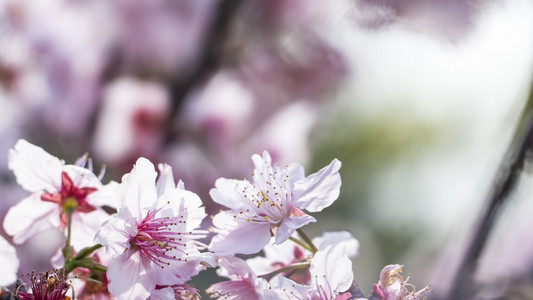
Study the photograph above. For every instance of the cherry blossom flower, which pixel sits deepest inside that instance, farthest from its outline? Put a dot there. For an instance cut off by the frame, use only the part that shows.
(244, 283)
(392, 286)
(55, 186)
(152, 236)
(288, 253)
(273, 203)
(9, 262)
(331, 277)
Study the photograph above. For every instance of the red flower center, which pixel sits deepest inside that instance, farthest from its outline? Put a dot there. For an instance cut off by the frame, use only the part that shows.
(70, 193)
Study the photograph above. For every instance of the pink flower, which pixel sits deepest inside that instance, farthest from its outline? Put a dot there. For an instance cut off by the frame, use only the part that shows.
(152, 237)
(244, 284)
(331, 275)
(392, 286)
(54, 186)
(272, 203)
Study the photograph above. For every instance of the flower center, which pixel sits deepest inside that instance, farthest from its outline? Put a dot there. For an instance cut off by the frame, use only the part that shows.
(70, 197)
(157, 241)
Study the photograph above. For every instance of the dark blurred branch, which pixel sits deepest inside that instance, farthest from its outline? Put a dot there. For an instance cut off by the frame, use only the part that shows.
(504, 184)
(209, 59)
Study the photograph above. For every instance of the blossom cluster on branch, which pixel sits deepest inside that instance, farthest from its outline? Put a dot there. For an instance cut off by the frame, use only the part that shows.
(142, 238)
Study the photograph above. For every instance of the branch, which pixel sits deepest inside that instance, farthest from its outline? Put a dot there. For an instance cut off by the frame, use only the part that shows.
(505, 182)
(209, 59)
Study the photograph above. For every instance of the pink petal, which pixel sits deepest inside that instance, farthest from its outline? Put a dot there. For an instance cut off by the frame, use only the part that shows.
(289, 226)
(163, 294)
(237, 235)
(317, 191)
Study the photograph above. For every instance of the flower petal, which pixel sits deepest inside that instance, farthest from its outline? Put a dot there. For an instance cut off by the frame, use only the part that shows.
(228, 192)
(139, 186)
(338, 238)
(288, 289)
(289, 226)
(163, 294)
(317, 191)
(178, 202)
(9, 262)
(332, 270)
(165, 180)
(36, 170)
(128, 278)
(237, 235)
(116, 232)
(30, 217)
(84, 227)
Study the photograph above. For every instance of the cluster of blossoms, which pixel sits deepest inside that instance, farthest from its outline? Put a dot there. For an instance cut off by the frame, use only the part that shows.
(142, 238)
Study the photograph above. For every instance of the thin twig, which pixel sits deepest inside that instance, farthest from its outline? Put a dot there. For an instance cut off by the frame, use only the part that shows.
(307, 240)
(296, 266)
(209, 59)
(504, 184)
(302, 244)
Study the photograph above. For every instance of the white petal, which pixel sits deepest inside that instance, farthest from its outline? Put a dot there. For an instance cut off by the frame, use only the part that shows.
(338, 238)
(116, 232)
(106, 195)
(183, 203)
(264, 290)
(237, 235)
(176, 272)
(84, 227)
(57, 261)
(233, 267)
(9, 262)
(233, 290)
(30, 217)
(275, 255)
(331, 269)
(36, 170)
(82, 177)
(288, 289)
(128, 278)
(317, 191)
(228, 192)
(289, 226)
(138, 189)
(165, 180)
(296, 173)
(163, 294)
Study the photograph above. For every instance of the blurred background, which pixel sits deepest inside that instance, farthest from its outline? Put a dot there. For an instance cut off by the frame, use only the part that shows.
(418, 99)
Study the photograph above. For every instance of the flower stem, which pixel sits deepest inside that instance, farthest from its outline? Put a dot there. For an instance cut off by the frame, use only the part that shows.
(87, 251)
(304, 245)
(69, 222)
(307, 240)
(99, 267)
(295, 266)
